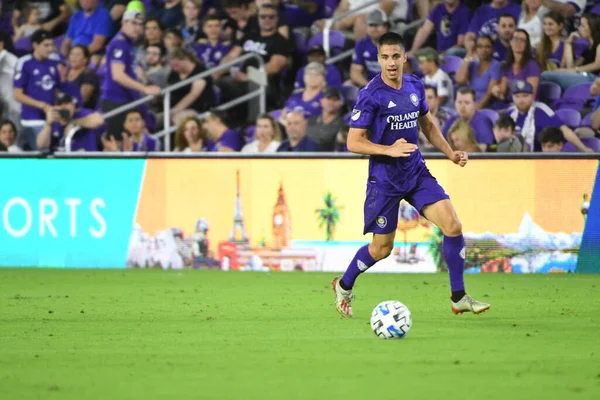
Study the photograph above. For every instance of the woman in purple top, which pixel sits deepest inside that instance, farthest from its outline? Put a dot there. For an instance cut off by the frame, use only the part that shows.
(309, 99)
(585, 68)
(551, 47)
(520, 65)
(480, 71)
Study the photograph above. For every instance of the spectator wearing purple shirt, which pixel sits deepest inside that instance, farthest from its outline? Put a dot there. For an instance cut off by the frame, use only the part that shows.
(63, 115)
(364, 60)
(520, 65)
(120, 85)
(531, 117)
(308, 99)
(333, 77)
(481, 124)
(550, 50)
(485, 20)
(91, 27)
(450, 21)
(480, 71)
(584, 68)
(303, 13)
(225, 139)
(297, 140)
(212, 49)
(506, 29)
(35, 82)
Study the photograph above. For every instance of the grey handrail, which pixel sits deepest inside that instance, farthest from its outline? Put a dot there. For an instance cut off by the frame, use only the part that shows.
(330, 21)
(166, 92)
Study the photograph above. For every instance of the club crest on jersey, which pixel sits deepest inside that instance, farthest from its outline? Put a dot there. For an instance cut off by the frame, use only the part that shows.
(355, 115)
(414, 99)
(381, 221)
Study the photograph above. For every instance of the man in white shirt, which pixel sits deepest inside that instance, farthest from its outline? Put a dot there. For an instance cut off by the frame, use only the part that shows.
(429, 63)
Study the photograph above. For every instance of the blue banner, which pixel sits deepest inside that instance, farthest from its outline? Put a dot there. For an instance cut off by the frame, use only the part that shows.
(68, 213)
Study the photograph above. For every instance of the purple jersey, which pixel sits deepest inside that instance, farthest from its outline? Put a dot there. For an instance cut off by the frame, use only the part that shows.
(481, 125)
(448, 26)
(333, 77)
(500, 50)
(543, 117)
(84, 139)
(39, 80)
(480, 83)
(390, 114)
(120, 50)
(211, 55)
(532, 68)
(365, 54)
(557, 56)
(231, 139)
(312, 107)
(146, 143)
(485, 20)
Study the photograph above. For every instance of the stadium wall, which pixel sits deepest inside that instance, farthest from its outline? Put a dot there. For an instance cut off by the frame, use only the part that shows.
(518, 216)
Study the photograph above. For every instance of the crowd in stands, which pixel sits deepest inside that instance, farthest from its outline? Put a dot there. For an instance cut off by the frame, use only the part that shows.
(500, 75)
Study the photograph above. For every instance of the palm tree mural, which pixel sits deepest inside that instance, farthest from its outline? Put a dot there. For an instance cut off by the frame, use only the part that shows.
(408, 219)
(329, 215)
(435, 249)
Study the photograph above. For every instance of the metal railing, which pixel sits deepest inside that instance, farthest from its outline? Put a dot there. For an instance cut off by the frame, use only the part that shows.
(167, 128)
(329, 23)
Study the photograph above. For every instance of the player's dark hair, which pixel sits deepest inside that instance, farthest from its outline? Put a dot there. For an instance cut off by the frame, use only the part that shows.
(391, 38)
(433, 88)
(467, 90)
(551, 134)
(504, 121)
(507, 15)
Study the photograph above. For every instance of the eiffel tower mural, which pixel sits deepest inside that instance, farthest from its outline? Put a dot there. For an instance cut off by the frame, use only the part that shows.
(238, 233)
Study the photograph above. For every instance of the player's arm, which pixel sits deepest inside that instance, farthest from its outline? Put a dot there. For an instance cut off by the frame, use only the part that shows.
(433, 134)
(358, 142)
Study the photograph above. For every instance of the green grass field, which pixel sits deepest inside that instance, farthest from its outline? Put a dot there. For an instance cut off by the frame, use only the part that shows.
(89, 334)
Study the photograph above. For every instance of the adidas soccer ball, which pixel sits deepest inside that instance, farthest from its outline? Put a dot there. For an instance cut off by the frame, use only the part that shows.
(391, 320)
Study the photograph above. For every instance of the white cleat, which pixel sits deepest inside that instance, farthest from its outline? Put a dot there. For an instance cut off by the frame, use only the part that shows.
(469, 304)
(343, 298)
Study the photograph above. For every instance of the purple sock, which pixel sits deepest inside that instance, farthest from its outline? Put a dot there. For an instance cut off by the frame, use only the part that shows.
(454, 253)
(360, 263)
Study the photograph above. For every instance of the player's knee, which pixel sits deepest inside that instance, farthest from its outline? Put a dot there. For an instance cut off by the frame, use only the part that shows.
(452, 228)
(379, 251)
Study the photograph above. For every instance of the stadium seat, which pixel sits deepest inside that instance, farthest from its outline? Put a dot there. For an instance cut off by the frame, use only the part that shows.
(491, 114)
(569, 117)
(337, 41)
(451, 65)
(548, 92)
(23, 46)
(575, 97)
(586, 122)
(592, 142)
(350, 93)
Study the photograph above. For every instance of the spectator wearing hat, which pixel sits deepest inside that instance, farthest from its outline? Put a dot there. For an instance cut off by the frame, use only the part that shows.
(211, 49)
(333, 77)
(309, 98)
(35, 82)
(429, 63)
(297, 140)
(90, 27)
(60, 118)
(480, 123)
(120, 85)
(323, 129)
(507, 140)
(365, 65)
(531, 117)
(450, 21)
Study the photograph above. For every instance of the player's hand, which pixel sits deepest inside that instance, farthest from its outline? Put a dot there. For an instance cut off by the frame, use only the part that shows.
(460, 158)
(401, 148)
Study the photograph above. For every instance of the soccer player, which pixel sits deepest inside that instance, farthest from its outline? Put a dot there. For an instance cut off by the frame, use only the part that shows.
(385, 125)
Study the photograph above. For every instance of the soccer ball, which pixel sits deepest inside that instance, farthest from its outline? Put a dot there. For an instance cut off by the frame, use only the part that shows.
(391, 320)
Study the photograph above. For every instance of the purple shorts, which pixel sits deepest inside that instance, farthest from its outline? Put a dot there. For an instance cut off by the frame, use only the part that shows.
(381, 209)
